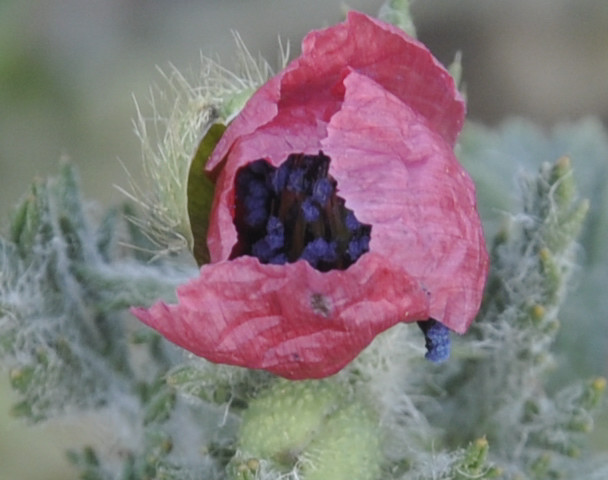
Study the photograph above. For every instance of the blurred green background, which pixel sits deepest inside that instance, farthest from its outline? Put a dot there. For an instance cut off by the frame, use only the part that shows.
(69, 68)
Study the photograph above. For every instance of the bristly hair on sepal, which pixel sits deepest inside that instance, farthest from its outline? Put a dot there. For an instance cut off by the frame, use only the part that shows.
(179, 112)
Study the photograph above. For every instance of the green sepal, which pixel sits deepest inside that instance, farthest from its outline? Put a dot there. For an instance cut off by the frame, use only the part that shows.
(202, 384)
(233, 104)
(455, 69)
(397, 12)
(200, 192)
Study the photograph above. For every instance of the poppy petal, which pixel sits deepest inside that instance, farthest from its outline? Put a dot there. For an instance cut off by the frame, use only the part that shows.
(291, 319)
(400, 176)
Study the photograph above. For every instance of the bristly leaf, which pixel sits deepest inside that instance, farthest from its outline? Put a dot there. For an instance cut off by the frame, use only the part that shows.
(61, 351)
(501, 393)
(200, 192)
(493, 156)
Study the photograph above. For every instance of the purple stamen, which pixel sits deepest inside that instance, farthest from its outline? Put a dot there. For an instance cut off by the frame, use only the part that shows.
(437, 337)
(292, 212)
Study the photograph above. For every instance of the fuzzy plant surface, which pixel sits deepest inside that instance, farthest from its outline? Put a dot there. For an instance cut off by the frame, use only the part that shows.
(495, 158)
(506, 405)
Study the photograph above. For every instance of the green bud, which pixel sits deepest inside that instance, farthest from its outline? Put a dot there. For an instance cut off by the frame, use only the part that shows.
(106, 233)
(552, 274)
(572, 451)
(65, 351)
(580, 423)
(312, 426)
(89, 456)
(184, 375)
(476, 455)
(66, 190)
(561, 177)
(348, 447)
(474, 463)
(540, 466)
(537, 314)
(594, 393)
(282, 421)
(552, 326)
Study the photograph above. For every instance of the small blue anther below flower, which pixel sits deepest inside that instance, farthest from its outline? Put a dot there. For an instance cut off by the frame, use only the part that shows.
(437, 339)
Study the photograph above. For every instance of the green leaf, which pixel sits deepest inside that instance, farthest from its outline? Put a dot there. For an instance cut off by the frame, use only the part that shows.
(200, 192)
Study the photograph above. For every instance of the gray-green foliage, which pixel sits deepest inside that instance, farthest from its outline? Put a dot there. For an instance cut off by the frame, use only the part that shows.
(494, 156)
(68, 347)
(495, 410)
(503, 389)
(57, 362)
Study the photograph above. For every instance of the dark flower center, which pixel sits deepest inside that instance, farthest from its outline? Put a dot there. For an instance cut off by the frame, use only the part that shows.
(292, 212)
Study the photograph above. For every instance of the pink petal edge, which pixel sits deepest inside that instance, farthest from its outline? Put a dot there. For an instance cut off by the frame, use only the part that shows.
(291, 319)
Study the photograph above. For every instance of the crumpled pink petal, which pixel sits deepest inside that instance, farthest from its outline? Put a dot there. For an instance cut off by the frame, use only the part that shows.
(387, 114)
(401, 64)
(402, 178)
(291, 319)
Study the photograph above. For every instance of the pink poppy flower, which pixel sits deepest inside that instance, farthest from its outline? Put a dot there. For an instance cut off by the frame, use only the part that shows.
(339, 211)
